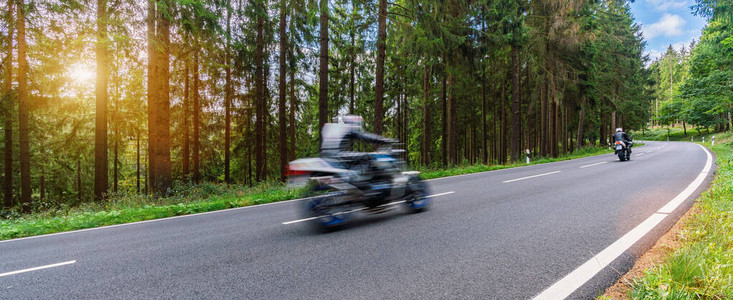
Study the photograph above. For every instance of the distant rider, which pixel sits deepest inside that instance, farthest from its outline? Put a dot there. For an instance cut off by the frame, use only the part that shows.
(620, 135)
(337, 140)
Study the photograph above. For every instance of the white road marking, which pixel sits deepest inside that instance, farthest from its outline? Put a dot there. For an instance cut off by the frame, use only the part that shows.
(571, 282)
(441, 194)
(360, 209)
(38, 268)
(672, 205)
(640, 154)
(533, 176)
(600, 163)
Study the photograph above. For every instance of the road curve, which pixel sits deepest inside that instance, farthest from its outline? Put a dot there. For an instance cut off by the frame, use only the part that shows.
(507, 234)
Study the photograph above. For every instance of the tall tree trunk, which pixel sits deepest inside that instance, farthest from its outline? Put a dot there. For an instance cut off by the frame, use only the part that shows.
(503, 147)
(115, 172)
(162, 119)
(100, 129)
(516, 116)
(684, 128)
(452, 121)
(23, 107)
(554, 142)
(283, 92)
(138, 166)
(161, 168)
(352, 74)
(196, 120)
(581, 124)
(43, 184)
(292, 114)
(228, 102)
(444, 117)
(186, 112)
(260, 96)
(379, 80)
(484, 115)
(323, 69)
(7, 95)
(78, 179)
(427, 120)
(153, 90)
(554, 120)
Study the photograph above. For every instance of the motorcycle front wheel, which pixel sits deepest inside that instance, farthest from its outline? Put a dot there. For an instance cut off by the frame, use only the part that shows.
(327, 211)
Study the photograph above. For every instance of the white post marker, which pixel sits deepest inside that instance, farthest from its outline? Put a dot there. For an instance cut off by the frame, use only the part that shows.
(713, 140)
(703, 140)
(527, 151)
(692, 139)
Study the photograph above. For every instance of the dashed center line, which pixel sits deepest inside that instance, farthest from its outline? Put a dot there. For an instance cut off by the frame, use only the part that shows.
(592, 165)
(38, 268)
(533, 176)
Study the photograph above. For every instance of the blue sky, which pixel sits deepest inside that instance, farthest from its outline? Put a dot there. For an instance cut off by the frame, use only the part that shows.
(666, 22)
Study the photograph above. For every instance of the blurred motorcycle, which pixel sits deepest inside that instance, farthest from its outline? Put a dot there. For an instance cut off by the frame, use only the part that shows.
(373, 182)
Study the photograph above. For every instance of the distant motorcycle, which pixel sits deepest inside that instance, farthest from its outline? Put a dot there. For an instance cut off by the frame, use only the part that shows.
(623, 150)
(374, 182)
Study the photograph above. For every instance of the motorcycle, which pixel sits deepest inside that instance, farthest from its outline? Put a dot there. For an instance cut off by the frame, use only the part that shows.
(623, 150)
(373, 182)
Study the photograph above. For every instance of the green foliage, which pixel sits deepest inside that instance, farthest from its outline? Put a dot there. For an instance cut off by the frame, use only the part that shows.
(559, 51)
(703, 266)
(694, 86)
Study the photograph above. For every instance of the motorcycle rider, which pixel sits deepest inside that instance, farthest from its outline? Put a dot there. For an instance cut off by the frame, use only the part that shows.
(337, 140)
(620, 135)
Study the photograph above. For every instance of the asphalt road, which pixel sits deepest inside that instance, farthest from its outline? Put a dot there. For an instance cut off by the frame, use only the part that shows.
(508, 234)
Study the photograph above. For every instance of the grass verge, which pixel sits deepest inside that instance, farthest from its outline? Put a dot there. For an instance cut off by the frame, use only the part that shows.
(702, 268)
(191, 199)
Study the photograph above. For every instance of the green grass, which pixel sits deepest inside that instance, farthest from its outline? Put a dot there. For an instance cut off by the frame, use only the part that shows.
(190, 199)
(703, 267)
(119, 209)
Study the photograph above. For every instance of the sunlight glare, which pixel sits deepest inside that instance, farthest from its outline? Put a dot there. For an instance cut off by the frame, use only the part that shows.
(81, 73)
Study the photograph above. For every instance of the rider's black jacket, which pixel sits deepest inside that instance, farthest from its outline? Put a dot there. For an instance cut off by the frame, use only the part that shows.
(338, 138)
(621, 136)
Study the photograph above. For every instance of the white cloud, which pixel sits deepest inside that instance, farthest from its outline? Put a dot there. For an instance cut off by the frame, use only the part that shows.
(665, 5)
(668, 25)
(653, 55)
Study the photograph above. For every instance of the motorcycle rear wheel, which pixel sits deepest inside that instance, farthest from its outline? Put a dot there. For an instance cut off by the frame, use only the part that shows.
(622, 155)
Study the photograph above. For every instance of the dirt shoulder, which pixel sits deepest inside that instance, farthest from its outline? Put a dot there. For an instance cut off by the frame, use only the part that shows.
(665, 246)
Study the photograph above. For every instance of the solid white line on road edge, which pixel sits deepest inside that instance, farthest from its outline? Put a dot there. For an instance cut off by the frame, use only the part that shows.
(360, 209)
(533, 176)
(571, 282)
(592, 165)
(38, 268)
(672, 205)
(590, 268)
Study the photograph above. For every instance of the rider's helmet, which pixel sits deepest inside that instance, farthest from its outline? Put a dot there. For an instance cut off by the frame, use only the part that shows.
(353, 120)
(619, 129)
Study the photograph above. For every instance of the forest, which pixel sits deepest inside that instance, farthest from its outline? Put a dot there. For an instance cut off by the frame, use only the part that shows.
(109, 97)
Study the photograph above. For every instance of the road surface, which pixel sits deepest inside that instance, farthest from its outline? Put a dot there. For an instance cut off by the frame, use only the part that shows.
(546, 231)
